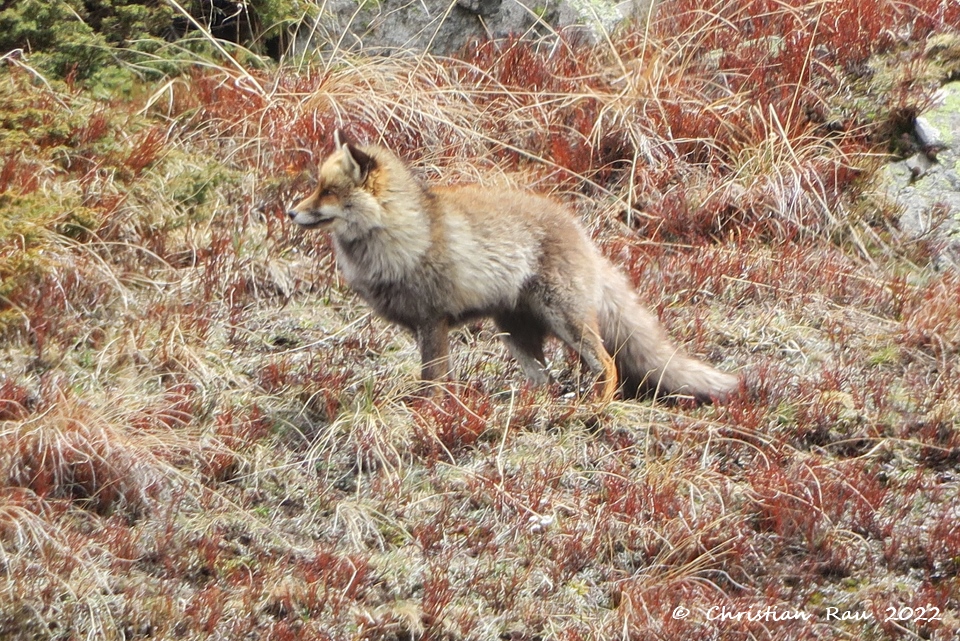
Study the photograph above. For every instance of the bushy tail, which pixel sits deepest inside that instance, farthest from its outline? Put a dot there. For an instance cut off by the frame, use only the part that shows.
(647, 360)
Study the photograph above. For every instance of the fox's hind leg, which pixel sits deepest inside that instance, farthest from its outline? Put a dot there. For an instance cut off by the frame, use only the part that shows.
(523, 335)
(583, 336)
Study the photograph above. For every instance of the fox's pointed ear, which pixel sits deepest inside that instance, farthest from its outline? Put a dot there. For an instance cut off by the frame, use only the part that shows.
(339, 138)
(356, 163)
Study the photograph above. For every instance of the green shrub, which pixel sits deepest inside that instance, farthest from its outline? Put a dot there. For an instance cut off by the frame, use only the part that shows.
(86, 38)
(71, 36)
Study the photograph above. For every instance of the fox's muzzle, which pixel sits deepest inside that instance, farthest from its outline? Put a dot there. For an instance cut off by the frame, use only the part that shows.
(308, 219)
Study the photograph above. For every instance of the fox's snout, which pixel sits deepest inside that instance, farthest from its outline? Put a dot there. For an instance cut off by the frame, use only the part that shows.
(310, 214)
(295, 213)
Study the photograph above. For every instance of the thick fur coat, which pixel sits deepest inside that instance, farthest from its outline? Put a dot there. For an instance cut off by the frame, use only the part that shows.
(429, 258)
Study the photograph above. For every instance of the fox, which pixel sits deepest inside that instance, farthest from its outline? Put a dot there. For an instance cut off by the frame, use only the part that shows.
(432, 257)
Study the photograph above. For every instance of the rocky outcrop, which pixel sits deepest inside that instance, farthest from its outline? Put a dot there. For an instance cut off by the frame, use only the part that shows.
(926, 186)
(446, 26)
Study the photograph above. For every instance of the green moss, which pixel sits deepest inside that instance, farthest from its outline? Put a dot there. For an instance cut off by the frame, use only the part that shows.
(26, 220)
(885, 355)
(26, 235)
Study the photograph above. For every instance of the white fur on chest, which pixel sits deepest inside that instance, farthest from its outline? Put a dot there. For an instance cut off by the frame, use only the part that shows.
(387, 251)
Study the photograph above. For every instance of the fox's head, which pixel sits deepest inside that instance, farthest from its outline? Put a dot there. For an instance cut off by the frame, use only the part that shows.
(341, 194)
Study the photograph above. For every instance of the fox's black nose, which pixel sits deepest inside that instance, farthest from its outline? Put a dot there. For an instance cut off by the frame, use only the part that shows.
(292, 214)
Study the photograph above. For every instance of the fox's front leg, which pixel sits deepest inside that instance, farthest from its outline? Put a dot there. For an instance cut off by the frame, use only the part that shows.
(434, 346)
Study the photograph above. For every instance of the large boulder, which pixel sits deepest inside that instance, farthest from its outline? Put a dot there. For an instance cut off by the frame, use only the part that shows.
(445, 26)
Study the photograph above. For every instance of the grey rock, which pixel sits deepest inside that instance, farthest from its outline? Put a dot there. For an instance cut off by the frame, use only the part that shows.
(919, 165)
(444, 27)
(481, 7)
(926, 186)
(927, 134)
